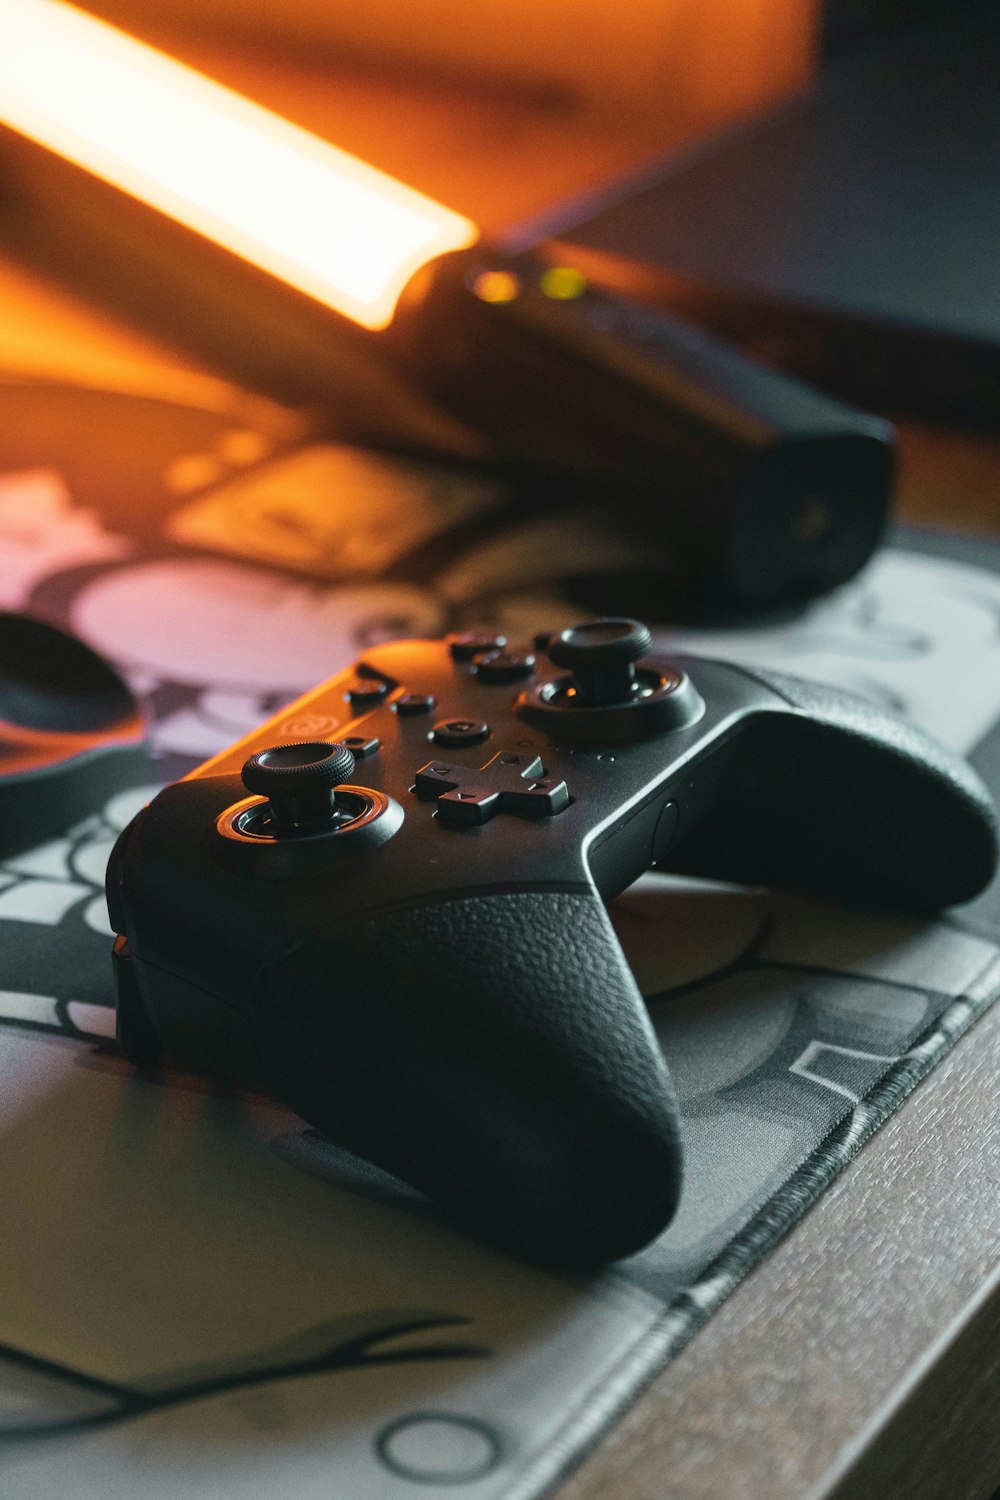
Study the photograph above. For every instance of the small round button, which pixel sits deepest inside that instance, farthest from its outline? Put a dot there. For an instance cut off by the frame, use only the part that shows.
(470, 643)
(411, 704)
(361, 745)
(363, 692)
(457, 732)
(504, 666)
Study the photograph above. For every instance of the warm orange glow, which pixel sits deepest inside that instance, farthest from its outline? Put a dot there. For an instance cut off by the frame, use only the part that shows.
(496, 286)
(275, 194)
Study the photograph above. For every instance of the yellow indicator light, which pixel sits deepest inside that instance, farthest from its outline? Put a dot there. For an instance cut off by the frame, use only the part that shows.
(562, 283)
(496, 286)
(275, 194)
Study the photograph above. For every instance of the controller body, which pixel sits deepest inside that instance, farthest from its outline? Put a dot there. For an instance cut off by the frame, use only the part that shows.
(433, 979)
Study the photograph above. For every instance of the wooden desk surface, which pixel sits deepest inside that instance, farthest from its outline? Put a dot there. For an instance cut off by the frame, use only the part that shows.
(861, 1360)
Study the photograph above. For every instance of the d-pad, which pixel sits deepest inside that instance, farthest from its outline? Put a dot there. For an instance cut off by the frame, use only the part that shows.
(510, 782)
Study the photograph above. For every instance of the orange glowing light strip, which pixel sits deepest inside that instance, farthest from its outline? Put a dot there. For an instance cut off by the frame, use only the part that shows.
(310, 214)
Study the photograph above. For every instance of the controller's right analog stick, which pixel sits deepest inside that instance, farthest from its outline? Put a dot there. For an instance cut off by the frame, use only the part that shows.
(300, 783)
(601, 656)
(613, 693)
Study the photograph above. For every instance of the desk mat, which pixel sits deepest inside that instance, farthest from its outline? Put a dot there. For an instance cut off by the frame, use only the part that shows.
(199, 1297)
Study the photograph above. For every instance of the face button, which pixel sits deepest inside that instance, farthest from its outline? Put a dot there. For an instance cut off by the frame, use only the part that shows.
(457, 732)
(360, 745)
(411, 704)
(504, 666)
(470, 643)
(365, 692)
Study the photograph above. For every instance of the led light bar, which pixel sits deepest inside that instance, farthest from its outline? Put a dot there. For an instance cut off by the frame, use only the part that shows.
(740, 479)
(312, 215)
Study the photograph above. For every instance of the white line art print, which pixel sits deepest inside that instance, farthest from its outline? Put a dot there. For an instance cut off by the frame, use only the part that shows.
(916, 634)
(818, 1051)
(354, 1344)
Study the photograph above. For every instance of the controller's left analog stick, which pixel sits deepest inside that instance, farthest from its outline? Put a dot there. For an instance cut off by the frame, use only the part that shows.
(300, 782)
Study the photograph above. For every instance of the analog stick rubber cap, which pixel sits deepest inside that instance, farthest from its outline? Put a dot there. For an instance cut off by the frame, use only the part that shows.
(299, 782)
(600, 654)
(600, 643)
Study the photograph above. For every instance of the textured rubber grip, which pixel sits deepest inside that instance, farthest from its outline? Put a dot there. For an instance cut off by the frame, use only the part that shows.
(842, 799)
(495, 1052)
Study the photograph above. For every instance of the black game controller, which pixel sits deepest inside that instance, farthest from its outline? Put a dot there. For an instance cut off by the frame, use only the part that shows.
(70, 732)
(386, 905)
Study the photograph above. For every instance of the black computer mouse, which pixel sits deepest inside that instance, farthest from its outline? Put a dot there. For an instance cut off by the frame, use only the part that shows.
(70, 732)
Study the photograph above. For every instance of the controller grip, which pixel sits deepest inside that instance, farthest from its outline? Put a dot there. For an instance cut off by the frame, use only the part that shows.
(844, 800)
(495, 1052)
